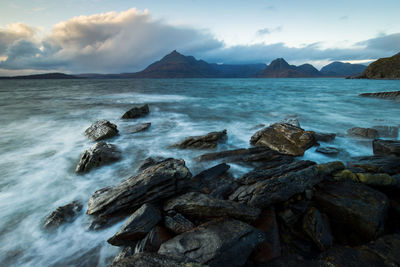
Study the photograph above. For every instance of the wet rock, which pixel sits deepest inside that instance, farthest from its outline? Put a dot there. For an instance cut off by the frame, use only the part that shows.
(387, 248)
(387, 131)
(262, 173)
(223, 191)
(153, 184)
(62, 215)
(138, 128)
(386, 95)
(386, 147)
(153, 240)
(376, 164)
(137, 226)
(124, 253)
(291, 121)
(178, 224)
(197, 205)
(347, 256)
(98, 155)
(324, 137)
(207, 141)
(150, 161)
(353, 207)
(317, 227)
(146, 259)
(100, 130)
(279, 189)
(258, 126)
(284, 138)
(377, 179)
(363, 132)
(328, 150)
(210, 179)
(136, 112)
(292, 260)
(227, 243)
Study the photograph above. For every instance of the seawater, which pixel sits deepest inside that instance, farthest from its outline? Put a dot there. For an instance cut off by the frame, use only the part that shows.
(42, 136)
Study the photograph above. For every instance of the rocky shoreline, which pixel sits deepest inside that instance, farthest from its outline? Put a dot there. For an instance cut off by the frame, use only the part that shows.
(284, 212)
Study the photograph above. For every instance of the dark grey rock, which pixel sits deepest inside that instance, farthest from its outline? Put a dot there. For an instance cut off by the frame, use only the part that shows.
(150, 161)
(138, 128)
(137, 226)
(100, 130)
(98, 155)
(178, 223)
(386, 147)
(317, 227)
(153, 240)
(387, 131)
(136, 112)
(363, 132)
(208, 180)
(292, 121)
(124, 253)
(328, 150)
(62, 215)
(324, 137)
(207, 141)
(376, 164)
(146, 259)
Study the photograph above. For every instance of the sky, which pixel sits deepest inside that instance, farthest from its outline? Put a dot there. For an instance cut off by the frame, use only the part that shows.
(114, 36)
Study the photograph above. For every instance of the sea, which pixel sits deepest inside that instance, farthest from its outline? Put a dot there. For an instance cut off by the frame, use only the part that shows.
(42, 124)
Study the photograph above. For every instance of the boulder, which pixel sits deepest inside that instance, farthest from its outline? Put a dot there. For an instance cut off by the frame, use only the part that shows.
(373, 179)
(153, 240)
(62, 215)
(284, 138)
(208, 180)
(328, 150)
(207, 141)
(100, 130)
(98, 155)
(387, 131)
(136, 112)
(201, 206)
(178, 224)
(386, 147)
(138, 128)
(264, 193)
(146, 259)
(324, 137)
(376, 164)
(137, 226)
(153, 184)
(317, 227)
(363, 132)
(226, 243)
(353, 207)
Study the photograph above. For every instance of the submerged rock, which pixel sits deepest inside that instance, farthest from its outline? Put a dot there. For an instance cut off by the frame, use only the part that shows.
(328, 150)
(62, 215)
(146, 259)
(324, 137)
(100, 130)
(98, 155)
(285, 138)
(386, 147)
(136, 112)
(363, 132)
(227, 243)
(386, 95)
(207, 141)
(200, 206)
(387, 131)
(138, 127)
(178, 223)
(153, 184)
(137, 226)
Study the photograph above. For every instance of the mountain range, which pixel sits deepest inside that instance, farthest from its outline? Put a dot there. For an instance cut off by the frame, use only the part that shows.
(383, 68)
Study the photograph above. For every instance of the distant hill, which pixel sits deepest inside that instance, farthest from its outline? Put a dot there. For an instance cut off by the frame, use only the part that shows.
(340, 69)
(42, 76)
(383, 68)
(279, 68)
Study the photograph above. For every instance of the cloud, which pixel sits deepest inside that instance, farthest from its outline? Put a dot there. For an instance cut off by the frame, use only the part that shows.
(266, 31)
(13, 33)
(390, 43)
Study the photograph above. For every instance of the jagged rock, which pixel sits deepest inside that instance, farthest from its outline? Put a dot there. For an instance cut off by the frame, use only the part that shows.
(100, 130)
(208, 180)
(197, 205)
(363, 132)
(386, 95)
(223, 191)
(285, 138)
(62, 215)
(207, 141)
(138, 127)
(279, 189)
(324, 137)
(146, 259)
(98, 155)
(329, 150)
(178, 224)
(317, 227)
(260, 174)
(137, 226)
(136, 112)
(153, 240)
(124, 253)
(376, 164)
(150, 161)
(153, 184)
(353, 207)
(227, 243)
(387, 131)
(386, 147)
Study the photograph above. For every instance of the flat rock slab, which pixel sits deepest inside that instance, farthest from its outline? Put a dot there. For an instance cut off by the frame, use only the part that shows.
(201, 206)
(354, 206)
(145, 259)
(137, 226)
(209, 179)
(138, 128)
(100, 130)
(136, 112)
(324, 137)
(363, 132)
(264, 193)
(98, 155)
(62, 215)
(207, 141)
(227, 243)
(385, 95)
(153, 184)
(376, 164)
(284, 138)
(328, 150)
(386, 147)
